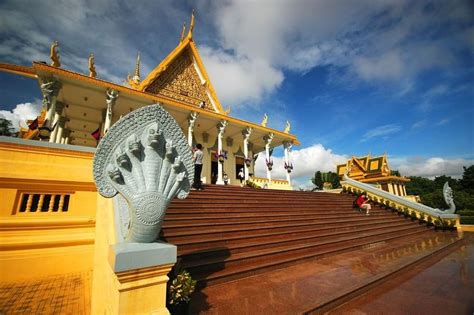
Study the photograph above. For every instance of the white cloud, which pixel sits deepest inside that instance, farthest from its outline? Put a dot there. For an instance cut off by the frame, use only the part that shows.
(239, 79)
(381, 131)
(21, 113)
(419, 124)
(389, 66)
(443, 121)
(430, 167)
(305, 161)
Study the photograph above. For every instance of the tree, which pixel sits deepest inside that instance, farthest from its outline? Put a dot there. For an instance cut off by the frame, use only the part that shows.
(318, 180)
(467, 181)
(419, 186)
(395, 173)
(6, 128)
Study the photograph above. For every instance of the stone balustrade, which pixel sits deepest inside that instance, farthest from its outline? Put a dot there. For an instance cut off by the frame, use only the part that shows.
(281, 184)
(401, 204)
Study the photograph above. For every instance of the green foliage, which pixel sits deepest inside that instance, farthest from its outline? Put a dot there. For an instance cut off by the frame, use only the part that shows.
(467, 181)
(419, 185)
(328, 177)
(6, 128)
(181, 288)
(395, 173)
(431, 191)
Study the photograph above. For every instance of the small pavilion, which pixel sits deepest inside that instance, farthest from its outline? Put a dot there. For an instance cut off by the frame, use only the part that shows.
(374, 171)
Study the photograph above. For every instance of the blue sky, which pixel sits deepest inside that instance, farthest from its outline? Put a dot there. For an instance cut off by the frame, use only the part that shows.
(352, 77)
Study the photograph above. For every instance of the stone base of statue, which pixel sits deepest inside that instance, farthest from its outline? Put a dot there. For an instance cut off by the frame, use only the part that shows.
(128, 278)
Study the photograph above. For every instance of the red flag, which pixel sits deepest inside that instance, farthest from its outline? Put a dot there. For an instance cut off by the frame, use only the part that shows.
(96, 134)
(34, 124)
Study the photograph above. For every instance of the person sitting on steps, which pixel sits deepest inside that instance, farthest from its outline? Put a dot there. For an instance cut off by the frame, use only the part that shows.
(363, 203)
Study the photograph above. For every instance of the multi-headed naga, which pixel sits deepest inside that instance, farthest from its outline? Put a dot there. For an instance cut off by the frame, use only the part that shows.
(145, 159)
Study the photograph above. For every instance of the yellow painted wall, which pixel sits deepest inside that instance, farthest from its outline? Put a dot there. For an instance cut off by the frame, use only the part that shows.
(38, 244)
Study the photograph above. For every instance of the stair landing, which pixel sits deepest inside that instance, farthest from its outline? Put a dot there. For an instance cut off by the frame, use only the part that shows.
(321, 285)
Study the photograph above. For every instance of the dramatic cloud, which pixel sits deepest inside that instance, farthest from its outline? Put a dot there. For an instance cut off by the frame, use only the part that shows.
(381, 131)
(21, 113)
(430, 167)
(306, 162)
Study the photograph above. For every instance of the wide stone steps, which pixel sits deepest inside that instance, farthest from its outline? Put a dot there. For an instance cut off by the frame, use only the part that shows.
(224, 233)
(265, 260)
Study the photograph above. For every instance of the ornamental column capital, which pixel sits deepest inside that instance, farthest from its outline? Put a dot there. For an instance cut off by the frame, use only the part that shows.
(193, 116)
(111, 96)
(50, 88)
(269, 138)
(288, 145)
(221, 127)
(247, 132)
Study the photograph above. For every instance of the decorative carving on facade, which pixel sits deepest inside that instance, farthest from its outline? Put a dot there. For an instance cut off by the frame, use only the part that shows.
(111, 98)
(205, 137)
(229, 141)
(146, 159)
(221, 127)
(192, 118)
(181, 82)
(50, 89)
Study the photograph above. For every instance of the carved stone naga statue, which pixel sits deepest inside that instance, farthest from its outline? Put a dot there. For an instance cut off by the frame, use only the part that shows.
(145, 160)
(448, 198)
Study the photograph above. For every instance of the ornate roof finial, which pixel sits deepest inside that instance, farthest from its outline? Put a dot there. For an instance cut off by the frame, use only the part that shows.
(54, 55)
(134, 81)
(92, 72)
(182, 32)
(191, 26)
(136, 76)
(265, 120)
(227, 111)
(287, 127)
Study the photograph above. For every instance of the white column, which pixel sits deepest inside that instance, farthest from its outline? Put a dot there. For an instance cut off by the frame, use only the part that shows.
(55, 125)
(268, 140)
(111, 98)
(61, 124)
(404, 190)
(246, 133)
(193, 116)
(288, 145)
(220, 135)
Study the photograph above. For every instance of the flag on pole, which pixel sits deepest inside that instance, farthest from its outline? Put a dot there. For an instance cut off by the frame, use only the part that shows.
(34, 124)
(96, 134)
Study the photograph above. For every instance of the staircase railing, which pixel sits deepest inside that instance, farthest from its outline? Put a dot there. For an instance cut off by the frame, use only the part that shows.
(399, 203)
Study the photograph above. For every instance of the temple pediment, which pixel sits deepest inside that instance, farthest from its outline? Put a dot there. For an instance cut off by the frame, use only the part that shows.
(181, 76)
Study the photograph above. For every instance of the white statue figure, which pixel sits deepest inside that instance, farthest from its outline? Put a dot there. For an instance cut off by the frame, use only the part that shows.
(145, 159)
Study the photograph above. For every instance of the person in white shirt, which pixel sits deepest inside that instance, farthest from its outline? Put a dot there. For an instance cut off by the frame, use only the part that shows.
(241, 176)
(197, 157)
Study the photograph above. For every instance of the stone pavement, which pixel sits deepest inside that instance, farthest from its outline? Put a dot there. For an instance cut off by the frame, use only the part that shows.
(63, 294)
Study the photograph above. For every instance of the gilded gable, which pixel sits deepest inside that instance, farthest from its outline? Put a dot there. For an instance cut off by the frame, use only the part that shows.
(181, 81)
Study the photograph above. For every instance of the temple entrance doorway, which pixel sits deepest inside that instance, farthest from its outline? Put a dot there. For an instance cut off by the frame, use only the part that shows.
(214, 168)
(239, 164)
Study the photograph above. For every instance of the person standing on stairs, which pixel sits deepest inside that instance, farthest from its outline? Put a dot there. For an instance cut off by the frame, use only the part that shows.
(197, 157)
(363, 203)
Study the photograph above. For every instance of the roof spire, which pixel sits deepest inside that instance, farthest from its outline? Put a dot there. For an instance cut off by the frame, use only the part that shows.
(136, 76)
(182, 33)
(191, 26)
(134, 81)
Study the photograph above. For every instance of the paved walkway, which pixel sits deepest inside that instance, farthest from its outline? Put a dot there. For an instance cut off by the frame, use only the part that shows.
(301, 288)
(64, 294)
(446, 287)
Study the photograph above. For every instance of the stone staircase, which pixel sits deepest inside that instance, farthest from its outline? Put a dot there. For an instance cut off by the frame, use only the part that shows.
(227, 233)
